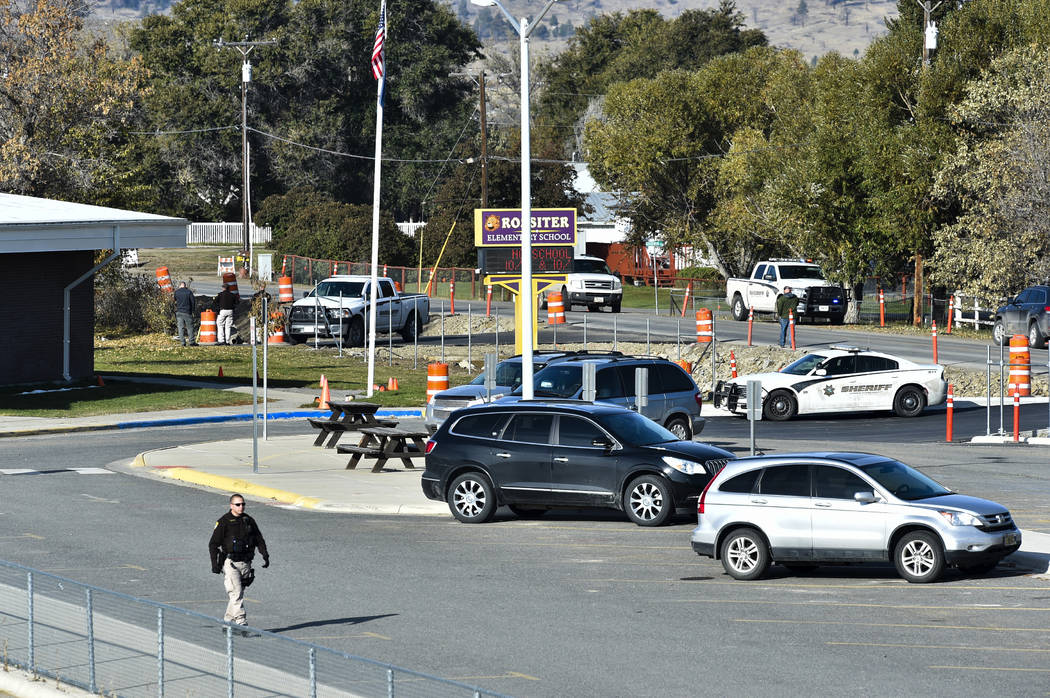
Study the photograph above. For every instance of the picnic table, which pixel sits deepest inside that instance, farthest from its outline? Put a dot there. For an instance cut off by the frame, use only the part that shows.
(384, 443)
(347, 415)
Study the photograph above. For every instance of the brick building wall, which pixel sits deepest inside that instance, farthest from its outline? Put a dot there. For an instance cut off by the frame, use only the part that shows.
(31, 315)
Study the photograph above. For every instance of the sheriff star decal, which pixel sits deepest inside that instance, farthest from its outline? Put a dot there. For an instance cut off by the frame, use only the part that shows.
(829, 390)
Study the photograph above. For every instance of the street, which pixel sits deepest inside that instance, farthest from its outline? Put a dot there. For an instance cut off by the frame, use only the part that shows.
(576, 602)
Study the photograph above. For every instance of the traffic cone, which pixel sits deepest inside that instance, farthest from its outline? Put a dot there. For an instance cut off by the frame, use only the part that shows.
(325, 395)
(101, 383)
(220, 371)
(392, 384)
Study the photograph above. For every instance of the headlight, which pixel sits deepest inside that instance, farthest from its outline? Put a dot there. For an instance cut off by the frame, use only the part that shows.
(688, 467)
(576, 283)
(617, 284)
(958, 518)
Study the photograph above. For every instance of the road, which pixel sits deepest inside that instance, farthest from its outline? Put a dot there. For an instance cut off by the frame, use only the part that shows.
(577, 603)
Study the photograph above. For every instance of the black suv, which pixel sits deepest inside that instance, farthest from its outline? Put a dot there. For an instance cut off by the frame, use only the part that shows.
(537, 454)
(1027, 314)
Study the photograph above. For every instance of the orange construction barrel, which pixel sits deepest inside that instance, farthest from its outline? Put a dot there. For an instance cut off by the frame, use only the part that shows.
(231, 279)
(437, 379)
(164, 280)
(1020, 382)
(686, 366)
(555, 309)
(208, 329)
(285, 292)
(704, 332)
(277, 336)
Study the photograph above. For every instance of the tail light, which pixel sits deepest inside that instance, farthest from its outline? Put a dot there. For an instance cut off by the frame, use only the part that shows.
(430, 445)
(699, 400)
(703, 495)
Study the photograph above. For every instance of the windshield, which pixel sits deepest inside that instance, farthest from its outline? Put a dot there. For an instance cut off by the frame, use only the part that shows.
(903, 481)
(349, 289)
(560, 380)
(507, 373)
(633, 429)
(590, 266)
(800, 271)
(803, 366)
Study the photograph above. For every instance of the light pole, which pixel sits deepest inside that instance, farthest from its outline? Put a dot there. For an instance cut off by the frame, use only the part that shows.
(528, 312)
(244, 47)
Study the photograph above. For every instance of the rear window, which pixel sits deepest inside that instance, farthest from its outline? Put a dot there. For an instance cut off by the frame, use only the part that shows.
(532, 427)
(673, 379)
(743, 483)
(867, 364)
(788, 480)
(486, 425)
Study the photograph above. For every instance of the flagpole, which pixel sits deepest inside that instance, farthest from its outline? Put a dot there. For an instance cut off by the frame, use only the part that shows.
(374, 286)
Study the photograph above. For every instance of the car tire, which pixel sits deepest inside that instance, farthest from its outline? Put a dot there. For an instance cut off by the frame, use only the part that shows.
(411, 329)
(918, 557)
(999, 333)
(780, 406)
(616, 306)
(648, 501)
(909, 402)
(679, 426)
(1035, 340)
(526, 512)
(745, 555)
(739, 309)
(296, 338)
(471, 498)
(355, 335)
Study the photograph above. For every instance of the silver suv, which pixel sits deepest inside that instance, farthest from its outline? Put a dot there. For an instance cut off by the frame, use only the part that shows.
(803, 509)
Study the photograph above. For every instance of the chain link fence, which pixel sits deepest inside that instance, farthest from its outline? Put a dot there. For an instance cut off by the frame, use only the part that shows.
(118, 645)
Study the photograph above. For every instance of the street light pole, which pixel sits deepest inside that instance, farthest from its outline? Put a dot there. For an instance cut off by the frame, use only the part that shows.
(528, 312)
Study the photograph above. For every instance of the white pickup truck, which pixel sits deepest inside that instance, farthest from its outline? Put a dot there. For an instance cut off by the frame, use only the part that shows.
(338, 306)
(817, 297)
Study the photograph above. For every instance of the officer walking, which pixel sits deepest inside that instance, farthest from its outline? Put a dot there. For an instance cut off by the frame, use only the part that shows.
(231, 549)
(787, 303)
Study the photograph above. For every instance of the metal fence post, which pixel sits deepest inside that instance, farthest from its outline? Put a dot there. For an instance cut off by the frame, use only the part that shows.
(229, 661)
(160, 653)
(313, 672)
(29, 597)
(678, 338)
(469, 322)
(390, 683)
(614, 333)
(647, 336)
(442, 331)
(988, 391)
(585, 333)
(497, 332)
(90, 640)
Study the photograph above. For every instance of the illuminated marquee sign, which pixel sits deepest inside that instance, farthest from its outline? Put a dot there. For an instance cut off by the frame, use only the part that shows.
(501, 227)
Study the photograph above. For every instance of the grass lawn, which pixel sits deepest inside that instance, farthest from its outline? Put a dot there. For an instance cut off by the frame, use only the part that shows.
(87, 399)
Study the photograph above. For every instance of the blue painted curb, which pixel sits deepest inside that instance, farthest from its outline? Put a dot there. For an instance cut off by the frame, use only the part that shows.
(247, 418)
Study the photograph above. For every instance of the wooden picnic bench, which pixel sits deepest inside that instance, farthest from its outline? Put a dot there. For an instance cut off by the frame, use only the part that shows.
(346, 416)
(384, 443)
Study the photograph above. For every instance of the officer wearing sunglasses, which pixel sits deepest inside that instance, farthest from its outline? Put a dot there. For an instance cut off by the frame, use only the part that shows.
(231, 549)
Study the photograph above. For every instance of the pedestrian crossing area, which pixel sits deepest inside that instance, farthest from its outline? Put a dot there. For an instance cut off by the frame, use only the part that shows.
(49, 471)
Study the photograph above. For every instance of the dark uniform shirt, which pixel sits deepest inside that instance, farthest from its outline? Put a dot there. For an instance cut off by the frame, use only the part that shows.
(235, 537)
(184, 302)
(226, 300)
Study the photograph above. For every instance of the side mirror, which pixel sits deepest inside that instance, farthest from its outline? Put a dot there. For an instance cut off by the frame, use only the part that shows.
(821, 372)
(306, 294)
(864, 497)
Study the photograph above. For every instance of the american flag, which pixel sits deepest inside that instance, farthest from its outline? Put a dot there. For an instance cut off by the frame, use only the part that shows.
(377, 47)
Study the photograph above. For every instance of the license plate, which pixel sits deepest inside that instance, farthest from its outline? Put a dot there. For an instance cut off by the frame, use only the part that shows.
(822, 308)
(1010, 539)
(599, 299)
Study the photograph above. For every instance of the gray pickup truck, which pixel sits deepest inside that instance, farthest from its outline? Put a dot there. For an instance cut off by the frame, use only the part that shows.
(338, 307)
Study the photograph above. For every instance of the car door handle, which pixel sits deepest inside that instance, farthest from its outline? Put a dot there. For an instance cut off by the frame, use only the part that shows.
(823, 504)
(561, 460)
(758, 501)
(503, 455)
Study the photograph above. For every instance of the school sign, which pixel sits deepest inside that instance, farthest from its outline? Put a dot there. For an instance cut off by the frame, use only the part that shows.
(501, 227)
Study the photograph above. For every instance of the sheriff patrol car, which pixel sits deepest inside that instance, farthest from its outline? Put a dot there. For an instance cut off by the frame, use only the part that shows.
(840, 379)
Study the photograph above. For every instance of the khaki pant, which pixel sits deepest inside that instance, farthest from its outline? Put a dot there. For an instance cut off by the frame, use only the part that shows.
(232, 573)
(224, 325)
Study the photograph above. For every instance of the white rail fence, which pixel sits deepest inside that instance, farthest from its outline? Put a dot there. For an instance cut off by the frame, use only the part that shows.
(224, 234)
(973, 310)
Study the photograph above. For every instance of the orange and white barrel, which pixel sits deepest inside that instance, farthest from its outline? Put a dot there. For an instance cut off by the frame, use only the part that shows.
(437, 379)
(231, 279)
(704, 332)
(209, 334)
(686, 366)
(555, 309)
(277, 336)
(1020, 382)
(164, 279)
(285, 292)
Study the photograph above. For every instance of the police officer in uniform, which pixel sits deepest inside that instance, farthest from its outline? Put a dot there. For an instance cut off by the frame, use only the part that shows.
(231, 549)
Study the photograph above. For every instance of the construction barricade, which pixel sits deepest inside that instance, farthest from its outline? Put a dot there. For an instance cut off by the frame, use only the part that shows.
(277, 321)
(209, 335)
(164, 280)
(437, 379)
(1020, 382)
(284, 288)
(704, 331)
(555, 309)
(231, 279)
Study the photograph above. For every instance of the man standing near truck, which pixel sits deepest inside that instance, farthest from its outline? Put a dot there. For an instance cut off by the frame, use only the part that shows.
(787, 304)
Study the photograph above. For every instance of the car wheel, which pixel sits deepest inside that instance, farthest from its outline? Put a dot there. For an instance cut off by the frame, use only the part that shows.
(411, 329)
(980, 567)
(780, 406)
(739, 309)
(296, 338)
(918, 557)
(355, 335)
(999, 333)
(745, 555)
(526, 512)
(471, 498)
(1035, 340)
(909, 402)
(680, 428)
(616, 306)
(648, 501)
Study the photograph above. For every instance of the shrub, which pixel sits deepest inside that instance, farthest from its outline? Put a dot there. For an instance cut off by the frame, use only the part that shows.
(127, 302)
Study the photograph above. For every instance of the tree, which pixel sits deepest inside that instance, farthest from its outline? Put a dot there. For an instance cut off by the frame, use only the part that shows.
(67, 106)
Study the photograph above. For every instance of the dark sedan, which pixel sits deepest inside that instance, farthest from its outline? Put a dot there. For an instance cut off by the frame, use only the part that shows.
(540, 454)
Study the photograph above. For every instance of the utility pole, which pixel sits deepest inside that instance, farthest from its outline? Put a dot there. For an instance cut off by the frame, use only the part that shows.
(929, 41)
(245, 48)
(484, 146)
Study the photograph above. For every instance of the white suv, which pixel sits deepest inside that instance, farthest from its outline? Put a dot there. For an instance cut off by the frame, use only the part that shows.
(589, 282)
